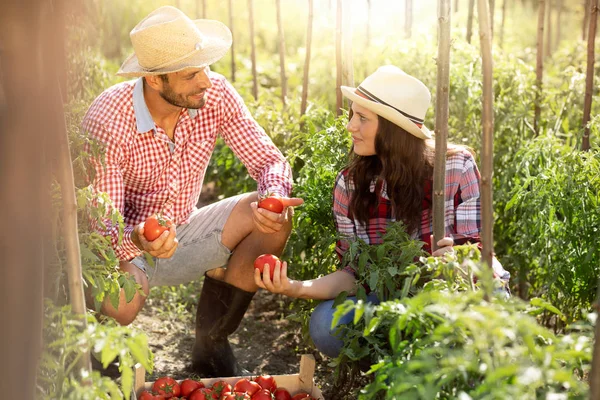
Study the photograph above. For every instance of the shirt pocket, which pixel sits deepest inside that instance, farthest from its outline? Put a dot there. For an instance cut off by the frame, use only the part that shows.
(147, 162)
(195, 158)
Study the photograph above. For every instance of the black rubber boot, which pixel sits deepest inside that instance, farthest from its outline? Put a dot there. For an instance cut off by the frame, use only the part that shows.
(220, 310)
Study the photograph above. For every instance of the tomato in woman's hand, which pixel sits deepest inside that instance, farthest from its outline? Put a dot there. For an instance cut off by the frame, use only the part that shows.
(267, 381)
(166, 386)
(263, 259)
(282, 394)
(246, 385)
(189, 385)
(154, 226)
(271, 203)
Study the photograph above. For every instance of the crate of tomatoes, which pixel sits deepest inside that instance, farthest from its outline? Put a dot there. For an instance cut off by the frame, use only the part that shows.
(262, 387)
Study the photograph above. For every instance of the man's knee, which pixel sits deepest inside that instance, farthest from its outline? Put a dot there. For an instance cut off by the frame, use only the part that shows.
(126, 312)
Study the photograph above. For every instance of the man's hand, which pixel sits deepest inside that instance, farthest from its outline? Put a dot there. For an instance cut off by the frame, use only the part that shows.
(163, 246)
(270, 222)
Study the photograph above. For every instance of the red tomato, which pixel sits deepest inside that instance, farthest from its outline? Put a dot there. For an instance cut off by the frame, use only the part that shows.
(202, 394)
(246, 385)
(220, 387)
(266, 381)
(262, 394)
(166, 386)
(281, 394)
(263, 259)
(154, 226)
(146, 395)
(271, 203)
(236, 396)
(189, 385)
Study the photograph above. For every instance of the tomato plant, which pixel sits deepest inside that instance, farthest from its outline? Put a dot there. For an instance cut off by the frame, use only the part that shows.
(189, 385)
(166, 386)
(271, 203)
(266, 381)
(263, 259)
(282, 394)
(246, 385)
(154, 226)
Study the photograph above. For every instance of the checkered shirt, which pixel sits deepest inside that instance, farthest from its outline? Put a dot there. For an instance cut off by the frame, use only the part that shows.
(462, 206)
(144, 172)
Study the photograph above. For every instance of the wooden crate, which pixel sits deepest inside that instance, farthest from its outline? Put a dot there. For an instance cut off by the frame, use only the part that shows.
(294, 383)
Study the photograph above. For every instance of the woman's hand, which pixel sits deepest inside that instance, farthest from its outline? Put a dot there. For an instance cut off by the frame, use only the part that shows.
(278, 283)
(445, 245)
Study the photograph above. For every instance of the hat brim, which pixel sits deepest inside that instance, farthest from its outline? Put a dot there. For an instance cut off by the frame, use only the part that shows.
(217, 42)
(388, 113)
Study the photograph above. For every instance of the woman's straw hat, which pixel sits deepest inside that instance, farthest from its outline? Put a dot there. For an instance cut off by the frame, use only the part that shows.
(167, 41)
(396, 96)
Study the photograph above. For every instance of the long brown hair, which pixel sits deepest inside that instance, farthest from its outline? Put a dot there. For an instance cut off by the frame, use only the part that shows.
(404, 162)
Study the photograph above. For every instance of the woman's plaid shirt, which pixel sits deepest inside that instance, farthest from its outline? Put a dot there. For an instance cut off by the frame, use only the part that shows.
(463, 212)
(144, 172)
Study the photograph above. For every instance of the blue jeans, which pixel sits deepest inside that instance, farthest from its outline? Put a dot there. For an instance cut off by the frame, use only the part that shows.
(320, 326)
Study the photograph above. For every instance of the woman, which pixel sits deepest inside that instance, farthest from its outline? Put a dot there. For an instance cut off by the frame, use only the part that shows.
(389, 178)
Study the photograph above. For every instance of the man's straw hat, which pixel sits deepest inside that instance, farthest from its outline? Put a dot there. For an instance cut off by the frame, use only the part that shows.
(396, 96)
(167, 41)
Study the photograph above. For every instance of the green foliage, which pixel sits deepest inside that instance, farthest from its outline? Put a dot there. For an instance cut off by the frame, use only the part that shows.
(552, 220)
(65, 344)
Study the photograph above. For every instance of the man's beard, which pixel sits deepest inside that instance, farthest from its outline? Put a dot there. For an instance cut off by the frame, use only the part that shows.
(179, 100)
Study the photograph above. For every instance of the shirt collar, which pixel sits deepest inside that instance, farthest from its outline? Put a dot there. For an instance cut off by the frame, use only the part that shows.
(143, 117)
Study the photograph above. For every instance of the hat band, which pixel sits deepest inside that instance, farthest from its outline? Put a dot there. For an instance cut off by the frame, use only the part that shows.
(369, 96)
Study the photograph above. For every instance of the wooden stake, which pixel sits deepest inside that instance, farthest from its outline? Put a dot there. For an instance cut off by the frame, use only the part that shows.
(586, 15)
(548, 41)
(338, 58)
(281, 52)
(487, 117)
(492, 14)
(504, 3)
(408, 18)
(233, 41)
(455, 6)
(470, 20)
(252, 49)
(559, 7)
(347, 59)
(307, 59)
(204, 14)
(589, 82)
(539, 65)
(441, 123)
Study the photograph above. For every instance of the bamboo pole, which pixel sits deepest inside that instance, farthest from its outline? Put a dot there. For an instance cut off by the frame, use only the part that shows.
(233, 41)
(539, 70)
(338, 58)
(589, 77)
(470, 20)
(252, 49)
(586, 15)
(408, 14)
(492, 14)
(307, 59)
(487, 154)
(441, 123)
(347, 60)
(502, 22)
(548, 40)
(281, 52)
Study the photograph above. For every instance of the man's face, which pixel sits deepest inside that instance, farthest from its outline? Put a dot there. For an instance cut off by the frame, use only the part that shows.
(186, 88)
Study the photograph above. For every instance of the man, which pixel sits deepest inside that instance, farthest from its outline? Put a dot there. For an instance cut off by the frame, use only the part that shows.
(158, 133)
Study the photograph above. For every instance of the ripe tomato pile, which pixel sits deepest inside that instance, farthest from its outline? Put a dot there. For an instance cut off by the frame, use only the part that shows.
(263, 387)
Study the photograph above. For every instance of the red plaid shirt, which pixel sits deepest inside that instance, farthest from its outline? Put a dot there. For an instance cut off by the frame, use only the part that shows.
(462, 208)
(144, 172)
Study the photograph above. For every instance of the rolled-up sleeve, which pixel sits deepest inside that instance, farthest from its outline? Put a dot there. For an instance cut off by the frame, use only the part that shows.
(253, 146)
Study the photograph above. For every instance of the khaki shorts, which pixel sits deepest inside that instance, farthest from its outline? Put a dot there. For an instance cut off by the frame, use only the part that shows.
(200, 248)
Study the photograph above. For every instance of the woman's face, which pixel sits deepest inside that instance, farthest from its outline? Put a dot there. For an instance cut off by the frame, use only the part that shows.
(363, 126)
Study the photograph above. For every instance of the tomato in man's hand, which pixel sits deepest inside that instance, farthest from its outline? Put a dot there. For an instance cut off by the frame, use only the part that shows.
(166, 386)
(154, 226)
(282, 394)
(271, 203)
(266, 381)
(263, 259)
